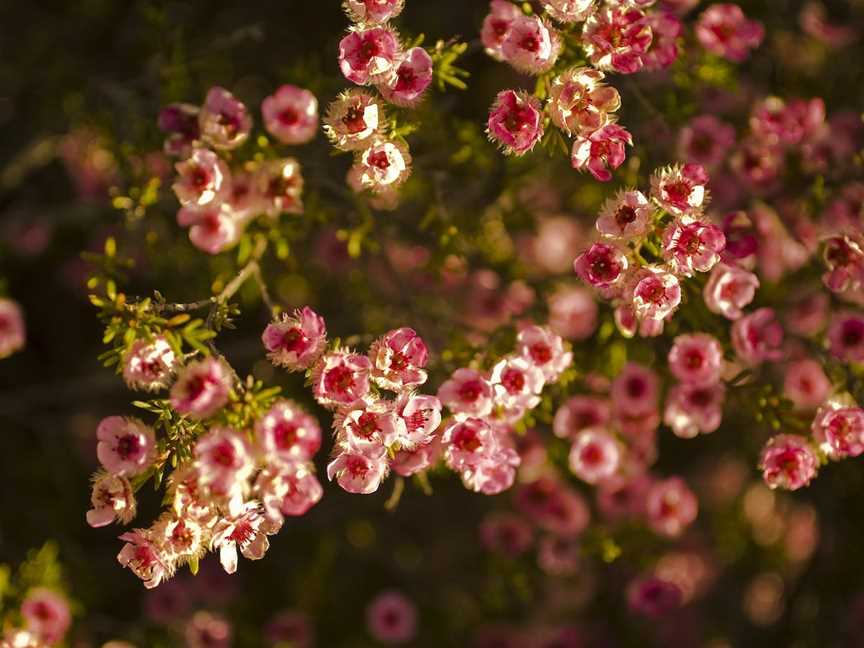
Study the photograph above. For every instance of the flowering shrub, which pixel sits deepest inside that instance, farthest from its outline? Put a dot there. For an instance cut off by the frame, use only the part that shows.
(325, 285)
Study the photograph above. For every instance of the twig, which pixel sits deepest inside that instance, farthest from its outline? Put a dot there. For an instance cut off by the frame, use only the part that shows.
(393, 501)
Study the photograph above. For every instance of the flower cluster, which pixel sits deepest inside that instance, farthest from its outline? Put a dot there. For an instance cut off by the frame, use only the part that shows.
(219, 193)
(669, 228)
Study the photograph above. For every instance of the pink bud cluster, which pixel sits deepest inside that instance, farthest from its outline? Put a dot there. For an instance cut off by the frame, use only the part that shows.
(646, 294)
(218, 201)
(484, 406)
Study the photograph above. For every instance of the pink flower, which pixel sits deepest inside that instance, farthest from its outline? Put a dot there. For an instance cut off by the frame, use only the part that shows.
(340, 378)
(758, 336)
(553, 506)
(623, 497)
(601, 151)
(496, 25)
(788, 461)
(373, 12)
(46, 614)
(213, 228)
(758, 164)
(806, 384)
(203, 179)
(352, 119)
(568, 11)
(247, 531)
(680, 189)
(696, 359)
(724, 30)
(572, 312)
(601, 266)
(421, 415)
(692, 409)
(559, 557)
(296, 342)
(729, 289)
(126, 446)
(291, 114)
(369, 426)
(148, 365)
(579, 102)
(506, 533)
(846, 337)
(515, 122)
(288, 488)
(207, 630)
(774, 121)
(112, 499)
(180, 122)
(635, 390)
(653, 597)
(467, 442)
(530, 45)
(666, 29)
(12, 332)
(840, 430)
(384, 165)
(466, 392)
(224, 459)
(517, 383)
(369, 55)
(656, 293)
(287, 432)
(692, 247)
(616, 38)
(595, 455)
(807, 314)
(671, 507)
(580, 413)
(179, 539)
(201, 389)
(280, 187)
(356, 472)
(492, 474)
(844, 259)
(545, 350)
(391, 618)
(224, 121)
(410, 80)
(627, 215)
(706, 140)
(143, 557)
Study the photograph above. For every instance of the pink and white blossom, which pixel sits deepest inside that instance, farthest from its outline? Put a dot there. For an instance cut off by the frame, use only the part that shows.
(357, 472)
(383, 166)
(224, 121)
(806, 384)
(656, 293)
(421, 415)
(373, 12)
(706, 140)
(616, 37)
(213, 228)
(579, 101)
(595, 455)
(144, 558)
(126, 446)
(291, 114)
(601, 151)
(531, 45)
(287, 488)
(670, 507)
(680, 189)
(280, 187)
(568, 11)
(839, 429)
(296, 341)
(149, 365)
(287, 432)
(496, 25)
(601, 266)
(666, 29)
(696, 359)
(693, 409)
(545, 350)
(758, 337)
(224, 460)
(467, 392)
(340, 378)
(409, 82)
(391, 618)
(692, 247)
(515, 122)
(788, 461)
(201, 388)
(46, 614)
(247, 532)
(352, 120)
(369, 55)
(729, 289)
(112, 499)
(724, 30)
(572, 312)
(626, 215)
(517, 383)
(580, 413)
(635, 390)
(202, 179)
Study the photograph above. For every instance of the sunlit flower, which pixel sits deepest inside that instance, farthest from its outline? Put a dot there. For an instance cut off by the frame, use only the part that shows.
(579, 101)
(729, 289)
(384, 165)
(202, 179)
(496, 26)
(126, 446)
(626, 215)
(840, 430)
(595, 455)
(410, 80)
(288, 488)
(224, 121)
(544, 349)
(112, 499)
(46, 614)
(201, 388)
(144, 558)
(656, 293)
(373, 12)
(467, 392)
(357, 472)
(601, 151)
(421, 415)
(568, 11)
(517, 383)
(369, 55)
(340, 378)
(515, 122)
(758, 336)
(352, 119)
(693, 409)
(788, 461)
(692, 247)
(616, 38)
(680, 189)
(724, 30)
(247, 531)
(213, 228)
(149, 365)
(287, 432)
(671, 507)
(531, 45)
(601, 266)
(280, 187)
(296, 341)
